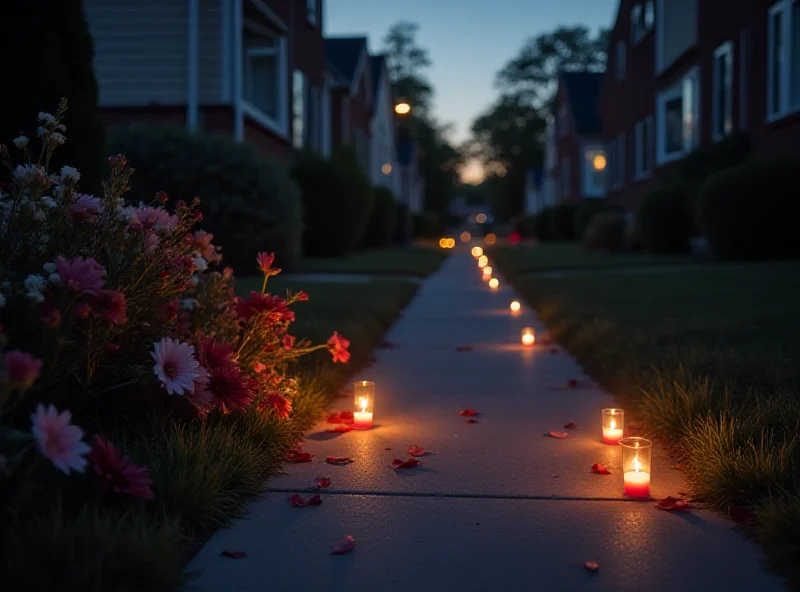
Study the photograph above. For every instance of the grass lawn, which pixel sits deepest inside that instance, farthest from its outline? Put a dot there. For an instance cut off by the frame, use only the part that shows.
(411, 260)
(707, 359)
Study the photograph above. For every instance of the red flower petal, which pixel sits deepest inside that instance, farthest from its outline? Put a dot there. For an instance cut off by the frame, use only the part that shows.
(342, 428)
(570, 426)
(338, 460)
(415, 450)
(559, 435)
(572, 383)
(600, 469)
(233, 554)
(297, 501)
(592, 566)
(468, 413)
(324, 481)
(673, 504)
(464, 348)
(344, 546)
(405, 464)
(472, 420)
(296, 455)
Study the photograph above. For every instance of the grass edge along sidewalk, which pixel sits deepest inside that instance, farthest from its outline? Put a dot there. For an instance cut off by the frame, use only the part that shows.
(411, 260)
(707, 359)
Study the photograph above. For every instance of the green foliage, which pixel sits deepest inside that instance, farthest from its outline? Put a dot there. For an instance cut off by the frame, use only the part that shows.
(751, 211)
(664, 218)
(337, 202)
(606, 232)
(585, 211)
(94, 551)
(58, 64)
(543, 225)
(425, 225)
(402, 230)
(563, 221)
(716, 157)
(777, 527)
(382, 223)
(249, 203)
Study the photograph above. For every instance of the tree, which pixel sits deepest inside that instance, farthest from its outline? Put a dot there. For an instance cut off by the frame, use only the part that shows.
(57, 64)
(406, 62)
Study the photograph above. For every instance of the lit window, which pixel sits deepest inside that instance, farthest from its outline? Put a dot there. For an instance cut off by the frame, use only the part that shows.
(386, 168)
(594, 172)
(261, 75)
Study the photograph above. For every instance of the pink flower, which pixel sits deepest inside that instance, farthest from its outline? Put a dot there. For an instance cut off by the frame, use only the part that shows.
(58, 440)
(153, 217)
(201, 242)
(110, 305)
(215, 354)
(175, 366)
(274, 306)
(279, 405)
(119, 471)
(84, 207)
(22, 368)
(201, 397)
(231, 389)
(338, 345)
(265, 261)
(81, 275)
(288, 342)
(151, 241)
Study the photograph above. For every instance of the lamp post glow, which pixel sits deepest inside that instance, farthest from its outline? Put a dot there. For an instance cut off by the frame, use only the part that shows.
(515, 306)
(528, 336)
(613, 425)
(365, 404)
(477, 252)
(483, 261)
(636, 465)
(494, 283)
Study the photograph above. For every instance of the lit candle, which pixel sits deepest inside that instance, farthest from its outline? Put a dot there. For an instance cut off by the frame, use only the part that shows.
(487, 271)
(477, 252)
(528, 336)
(636, 457)
(494, 283)
(613, 425)
(364, 402)
(515, 306)
(483, 261)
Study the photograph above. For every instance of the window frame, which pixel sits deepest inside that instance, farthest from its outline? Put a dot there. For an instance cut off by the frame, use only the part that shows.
(301, 140)
(590, 189)
(649, 26)
(637, 23)
(280, 123)
(312, 12)
(722, 127)
(785, 106)
(678, 90)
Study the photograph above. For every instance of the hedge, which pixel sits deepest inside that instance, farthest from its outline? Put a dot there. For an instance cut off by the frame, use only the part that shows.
(586, 211)
(751, 211)
(543, 225)
(380, 229)
(402, 230)
(248, 201)
(563, 222)
(665, 220)
(606, 232)
(425, 225)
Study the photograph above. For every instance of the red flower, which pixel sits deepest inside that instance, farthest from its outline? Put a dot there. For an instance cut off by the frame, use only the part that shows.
(81, 275)
(51, 316)
(258, 367)
(274, 306)
(22, 368)
(82, 310)
(338, 345)
(279, 405)
(110, 305)
(231, 389)
(288, 341)
(265, 261)
(213, 354)
(118, 471)
(301, 296)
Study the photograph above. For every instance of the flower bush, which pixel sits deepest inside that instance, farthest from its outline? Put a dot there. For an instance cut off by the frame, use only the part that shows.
(112, 312)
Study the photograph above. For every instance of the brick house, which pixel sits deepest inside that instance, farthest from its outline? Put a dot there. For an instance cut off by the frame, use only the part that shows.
(350, 67)
(253, 69)
(574, 154)
(684, 74)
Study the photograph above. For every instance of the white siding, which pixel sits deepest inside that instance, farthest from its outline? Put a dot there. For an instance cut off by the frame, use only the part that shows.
(141, 51)
(210, 82)
(383, 150)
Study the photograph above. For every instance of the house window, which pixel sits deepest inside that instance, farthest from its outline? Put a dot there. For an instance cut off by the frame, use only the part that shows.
(723, 91)
(637, 24)
(643, 147)
(620, 62)
(565, 178)
(299, 110)
(649, 16)
(744, 51)
(677, 118)
(621, 156)
(262, 75)
(783, 55)
(312, 11)
(594, 172)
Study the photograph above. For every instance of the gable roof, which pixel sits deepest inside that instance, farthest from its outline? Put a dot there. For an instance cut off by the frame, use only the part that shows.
(583, 90)
(344, 53)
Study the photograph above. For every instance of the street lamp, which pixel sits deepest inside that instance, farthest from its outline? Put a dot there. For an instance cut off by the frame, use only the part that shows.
(402, 107)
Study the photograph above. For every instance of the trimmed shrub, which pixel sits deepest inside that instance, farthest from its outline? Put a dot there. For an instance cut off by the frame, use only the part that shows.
(402, 230)
(606, 232)
(751, 211)
(249, 203)
(665, 220)
(338, 200)
(543, 225)
(585, 212)
(380, 229)
(563, 222)
(425, 225)
(705, 161)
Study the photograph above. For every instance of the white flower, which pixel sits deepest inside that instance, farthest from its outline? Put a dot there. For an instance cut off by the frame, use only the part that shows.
(57, 138)
(48, 201)
(175, 366)
(200, 263)
(25, 172)
(189, 303)
(21, 142)
(45, 117)
(61, 127)
(35, 283)
(40, 131)
(53, 278)
(49, 267)
(71, 173)
(2, 301)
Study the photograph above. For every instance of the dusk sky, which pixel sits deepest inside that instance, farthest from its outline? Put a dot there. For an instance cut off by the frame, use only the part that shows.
(468, 40)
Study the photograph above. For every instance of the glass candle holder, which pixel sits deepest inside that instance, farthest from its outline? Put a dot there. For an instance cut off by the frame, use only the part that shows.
(494, 283)
(477, 252)
(483, 261)
(636, 464)
(364, 400)
(515, 306)
(613, 424)
(528, 336)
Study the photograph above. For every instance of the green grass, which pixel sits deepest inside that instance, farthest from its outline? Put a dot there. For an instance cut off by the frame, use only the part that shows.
(707, 358)
(413, 260)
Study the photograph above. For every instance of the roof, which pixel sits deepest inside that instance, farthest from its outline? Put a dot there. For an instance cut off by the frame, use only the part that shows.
(583, 90)
(344, 52)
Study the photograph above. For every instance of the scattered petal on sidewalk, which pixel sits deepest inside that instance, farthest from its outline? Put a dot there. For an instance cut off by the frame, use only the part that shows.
(342, 428)
(344, 546)
(673, 504)
(464, 348)
(338, 460)
(233, 554)
(297, 501)
(323, 482)
(571, 384)
(387, 448)
(296, 455)
(415, 450)
(468, 413)
(592, 566)
(559, 435)
(405, 464)
(341, 417)
(600, 469)
(386, 345)
(570, 426)
(472, 420)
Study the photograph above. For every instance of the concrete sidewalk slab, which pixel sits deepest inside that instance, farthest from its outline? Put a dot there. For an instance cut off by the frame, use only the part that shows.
(437, 545)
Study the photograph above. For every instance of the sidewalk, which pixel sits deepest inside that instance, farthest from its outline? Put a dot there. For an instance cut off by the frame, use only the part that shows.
(497, 506)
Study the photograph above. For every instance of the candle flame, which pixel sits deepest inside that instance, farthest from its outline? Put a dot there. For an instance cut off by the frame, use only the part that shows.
(364, 402)
(636, 464)
(613, 425)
